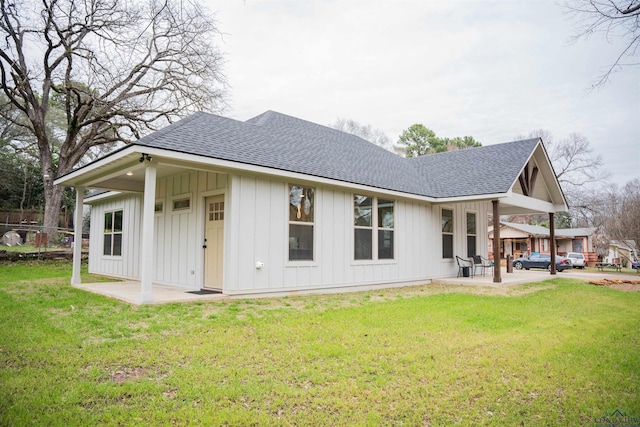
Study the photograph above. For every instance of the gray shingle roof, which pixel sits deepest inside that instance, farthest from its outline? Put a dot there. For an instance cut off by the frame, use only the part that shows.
(535, 230)
(474, 171)
(286, 143)
(538, 230)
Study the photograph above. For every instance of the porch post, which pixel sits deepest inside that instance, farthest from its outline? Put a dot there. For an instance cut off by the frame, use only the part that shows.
(77, 237)
(552, 237)
(146, 255)
(497, 274)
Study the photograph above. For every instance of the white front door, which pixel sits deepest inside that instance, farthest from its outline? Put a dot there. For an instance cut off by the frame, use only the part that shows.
(214, 235)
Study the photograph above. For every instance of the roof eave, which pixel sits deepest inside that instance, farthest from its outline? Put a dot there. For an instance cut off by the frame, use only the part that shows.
(78, 176)
(87, 175)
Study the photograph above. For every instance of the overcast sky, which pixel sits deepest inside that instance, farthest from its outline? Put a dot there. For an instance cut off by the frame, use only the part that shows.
(489, 69)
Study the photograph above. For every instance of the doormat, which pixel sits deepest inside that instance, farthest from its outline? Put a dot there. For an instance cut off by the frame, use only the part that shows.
(204, 292)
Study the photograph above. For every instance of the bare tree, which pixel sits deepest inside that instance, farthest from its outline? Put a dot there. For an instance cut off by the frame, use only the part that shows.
(614, 19)
(615, 212)
(116, 68)
(622, 212)
(373, 135)
(579, 172)
(573, 159)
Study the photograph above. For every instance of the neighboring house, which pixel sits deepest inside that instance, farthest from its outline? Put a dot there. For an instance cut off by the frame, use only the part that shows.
(625, 251)
(280, 204)
(523, 240)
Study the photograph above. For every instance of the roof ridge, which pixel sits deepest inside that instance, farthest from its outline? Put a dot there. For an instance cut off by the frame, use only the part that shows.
(466, 150)
(260, 119)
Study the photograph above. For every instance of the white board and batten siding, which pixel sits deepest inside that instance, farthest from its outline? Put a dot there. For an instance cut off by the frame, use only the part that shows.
(178, 233)
(126, 266)
(449, 267)
(257, 231)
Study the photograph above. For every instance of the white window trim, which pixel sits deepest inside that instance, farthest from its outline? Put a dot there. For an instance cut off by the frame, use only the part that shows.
(374, 232)
(453, 233)
(164, 207)
(122, 232)
(466, 231)
(302, 262)
(183, 210)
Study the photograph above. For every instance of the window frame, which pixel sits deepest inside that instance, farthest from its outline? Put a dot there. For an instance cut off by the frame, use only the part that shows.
(444, 233)
(112, 232)
(376, 229)
(474, 235)
(162, 207)
(545, 245)
(297, 223)
(577, 245)
(181, 197)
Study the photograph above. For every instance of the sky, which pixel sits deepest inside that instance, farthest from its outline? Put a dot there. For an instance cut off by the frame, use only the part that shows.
(493, 69)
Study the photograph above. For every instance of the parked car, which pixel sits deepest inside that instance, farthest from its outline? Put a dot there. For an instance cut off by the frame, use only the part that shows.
(635, 265)
(541, 261)
(577, 259)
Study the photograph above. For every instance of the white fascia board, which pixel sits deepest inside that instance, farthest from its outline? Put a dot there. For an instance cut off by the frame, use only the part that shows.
(553, 174)
(72, 178)
(473, 198)
(526, 164)
(525, 202)
(91, 199)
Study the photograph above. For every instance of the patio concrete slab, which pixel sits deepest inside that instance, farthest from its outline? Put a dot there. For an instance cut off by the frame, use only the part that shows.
(517, 277)
(130, 292)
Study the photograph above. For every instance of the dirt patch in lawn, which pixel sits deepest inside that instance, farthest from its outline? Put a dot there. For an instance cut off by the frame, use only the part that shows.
(628, 285)
(127, 374)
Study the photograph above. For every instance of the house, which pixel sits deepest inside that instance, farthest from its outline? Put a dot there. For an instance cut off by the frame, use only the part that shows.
(524, 239)
(277, 204)
(625, 251)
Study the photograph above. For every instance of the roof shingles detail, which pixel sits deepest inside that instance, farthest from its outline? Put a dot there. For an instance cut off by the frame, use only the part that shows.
(475, 171)
(282, 142)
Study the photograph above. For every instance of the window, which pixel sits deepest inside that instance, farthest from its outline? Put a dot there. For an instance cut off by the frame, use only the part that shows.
(216, 211)
(301, 223)
(471, 234)
(371, 215)
(577, 245)
(113, 233)
(182, 204)
(158, 207)
(447, 233)
(363, 227)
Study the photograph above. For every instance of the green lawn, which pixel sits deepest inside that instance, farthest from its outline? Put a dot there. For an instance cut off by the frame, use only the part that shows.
(559, 352)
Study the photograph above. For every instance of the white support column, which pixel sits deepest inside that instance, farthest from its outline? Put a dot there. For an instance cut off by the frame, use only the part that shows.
(77, 237)
(146, 257)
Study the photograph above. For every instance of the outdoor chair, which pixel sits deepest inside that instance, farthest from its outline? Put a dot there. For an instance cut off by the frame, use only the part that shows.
(462, 264)
(481, 262)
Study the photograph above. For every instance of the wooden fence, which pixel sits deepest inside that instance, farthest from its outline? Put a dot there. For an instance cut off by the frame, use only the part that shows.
(33, 218)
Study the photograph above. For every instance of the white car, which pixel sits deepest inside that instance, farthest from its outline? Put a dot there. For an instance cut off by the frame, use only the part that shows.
(577, 259)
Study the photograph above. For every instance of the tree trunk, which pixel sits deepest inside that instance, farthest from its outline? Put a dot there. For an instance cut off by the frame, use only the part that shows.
(52, 202)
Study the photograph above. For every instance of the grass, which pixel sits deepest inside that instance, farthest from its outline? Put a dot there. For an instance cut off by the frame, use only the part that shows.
(22, 248)
(608, 270)
(553, 353)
